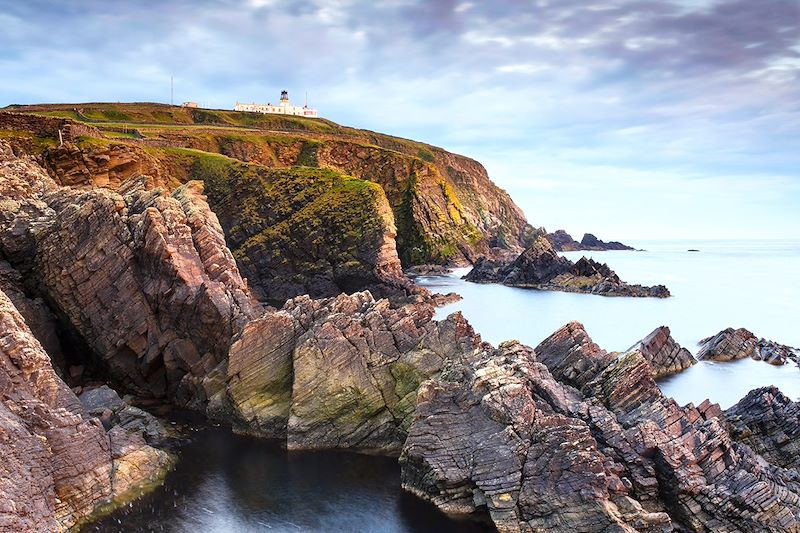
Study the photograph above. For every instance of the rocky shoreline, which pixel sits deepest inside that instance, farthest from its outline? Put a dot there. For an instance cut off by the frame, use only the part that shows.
(131, 285)
(540, 267)
(563, 242)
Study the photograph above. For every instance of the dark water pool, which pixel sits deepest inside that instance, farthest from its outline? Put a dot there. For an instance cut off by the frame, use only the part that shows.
(229, 483)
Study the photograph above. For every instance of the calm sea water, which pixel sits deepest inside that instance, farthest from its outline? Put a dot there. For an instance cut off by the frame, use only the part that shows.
(226, 483)
(726, 284)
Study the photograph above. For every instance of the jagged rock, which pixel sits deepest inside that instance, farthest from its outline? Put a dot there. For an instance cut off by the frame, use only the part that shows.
(57, 466)
(36, 313)
(144, 278)
(664, 354)
(590, 242)
(540, 267)
(728, 345)
(336, 373)
(732, 344)
(569, 437)
(563, 242)
(500, 433)
(108, 165)
(776, 353)
(768, 422)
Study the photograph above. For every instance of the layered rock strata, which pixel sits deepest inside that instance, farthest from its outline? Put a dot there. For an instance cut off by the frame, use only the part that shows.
(768, 422)
(58, 465)
(336, 373)
(445, 206)
(732, 344)
(568, 437)
(540, 267)
(144, 278)
(663, 353)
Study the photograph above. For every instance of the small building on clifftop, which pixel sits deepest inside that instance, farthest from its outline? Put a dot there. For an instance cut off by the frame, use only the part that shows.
(283, 108)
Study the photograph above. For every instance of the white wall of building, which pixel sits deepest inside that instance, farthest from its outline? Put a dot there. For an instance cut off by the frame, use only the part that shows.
(284, 108)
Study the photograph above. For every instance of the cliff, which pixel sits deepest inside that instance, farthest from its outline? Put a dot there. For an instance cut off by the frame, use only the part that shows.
(445, 207)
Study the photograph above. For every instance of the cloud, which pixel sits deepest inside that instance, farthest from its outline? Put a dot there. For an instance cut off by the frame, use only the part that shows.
(691, 89)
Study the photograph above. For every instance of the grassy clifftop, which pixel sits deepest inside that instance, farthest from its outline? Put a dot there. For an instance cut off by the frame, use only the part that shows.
(445, 207)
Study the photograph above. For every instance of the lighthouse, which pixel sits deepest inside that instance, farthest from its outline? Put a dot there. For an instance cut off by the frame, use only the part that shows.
(283, 108)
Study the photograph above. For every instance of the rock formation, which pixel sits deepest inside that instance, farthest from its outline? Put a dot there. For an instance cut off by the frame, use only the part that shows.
(664, 354)
(571, 438)
(590, 242)
(540, 267)
(305, 231)
(144, 278)
(336, 373)
(563, 242)
(732, 344)
(768, 422)
(58, 464)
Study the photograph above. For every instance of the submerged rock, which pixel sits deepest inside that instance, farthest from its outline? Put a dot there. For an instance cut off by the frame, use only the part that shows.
(540, 267)
(568, 437)
(664, 354)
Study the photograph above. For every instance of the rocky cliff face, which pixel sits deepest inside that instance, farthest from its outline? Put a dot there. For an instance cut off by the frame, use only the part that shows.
(59, 465)
(305, 231)
(336, 373)
(571, 438)
(732, 344)
(540, 267)
(445, 207)
(144, 278)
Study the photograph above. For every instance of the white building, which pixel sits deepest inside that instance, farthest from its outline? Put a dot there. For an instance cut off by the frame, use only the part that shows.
(283, 108)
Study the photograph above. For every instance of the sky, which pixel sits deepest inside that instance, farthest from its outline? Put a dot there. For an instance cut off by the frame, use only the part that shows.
(629, 119)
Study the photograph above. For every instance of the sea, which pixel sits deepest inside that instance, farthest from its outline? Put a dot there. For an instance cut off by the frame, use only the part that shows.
(228, 483)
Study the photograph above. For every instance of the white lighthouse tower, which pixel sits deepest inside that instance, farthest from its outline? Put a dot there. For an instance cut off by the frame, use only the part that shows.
(284, 98)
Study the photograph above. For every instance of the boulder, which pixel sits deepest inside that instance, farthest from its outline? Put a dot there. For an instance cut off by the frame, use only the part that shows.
(104, 403)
